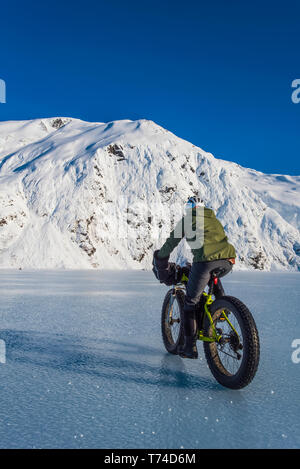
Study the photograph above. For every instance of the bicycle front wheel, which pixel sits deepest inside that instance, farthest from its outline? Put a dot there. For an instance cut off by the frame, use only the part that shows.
(233, 360)
(172, 320)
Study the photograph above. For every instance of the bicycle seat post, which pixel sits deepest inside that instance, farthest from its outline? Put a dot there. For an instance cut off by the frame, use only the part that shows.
(212, 281)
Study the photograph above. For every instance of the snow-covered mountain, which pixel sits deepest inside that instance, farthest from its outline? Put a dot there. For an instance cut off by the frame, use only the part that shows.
(68, 188)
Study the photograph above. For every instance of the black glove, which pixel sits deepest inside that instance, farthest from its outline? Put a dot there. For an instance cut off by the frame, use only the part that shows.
(166, 272)
(171, 276)
(160, 267)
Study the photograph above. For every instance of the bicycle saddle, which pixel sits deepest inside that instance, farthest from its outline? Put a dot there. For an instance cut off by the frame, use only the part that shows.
(219, 272)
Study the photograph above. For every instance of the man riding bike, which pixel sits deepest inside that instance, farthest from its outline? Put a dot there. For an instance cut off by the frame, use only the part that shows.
(213, 252)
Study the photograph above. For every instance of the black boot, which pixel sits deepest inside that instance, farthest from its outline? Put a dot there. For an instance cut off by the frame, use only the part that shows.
(189, 349)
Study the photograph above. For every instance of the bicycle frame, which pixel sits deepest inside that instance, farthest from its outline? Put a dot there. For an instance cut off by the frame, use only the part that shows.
(206, 313)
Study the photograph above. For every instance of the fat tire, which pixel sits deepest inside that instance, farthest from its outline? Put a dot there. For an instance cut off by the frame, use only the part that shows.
(251, 346)
(169, 344)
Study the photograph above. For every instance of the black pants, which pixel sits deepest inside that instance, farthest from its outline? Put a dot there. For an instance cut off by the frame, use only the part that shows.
(198, 279)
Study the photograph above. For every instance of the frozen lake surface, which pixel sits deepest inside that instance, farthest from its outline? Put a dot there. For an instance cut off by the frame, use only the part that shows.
(86, 367)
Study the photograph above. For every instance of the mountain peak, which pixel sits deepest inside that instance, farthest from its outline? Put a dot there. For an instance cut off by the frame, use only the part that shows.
(67, 186)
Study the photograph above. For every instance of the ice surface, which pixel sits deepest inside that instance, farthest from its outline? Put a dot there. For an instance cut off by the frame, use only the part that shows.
(86, 367)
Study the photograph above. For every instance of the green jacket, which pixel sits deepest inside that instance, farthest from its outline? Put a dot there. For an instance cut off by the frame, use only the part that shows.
(213, 243)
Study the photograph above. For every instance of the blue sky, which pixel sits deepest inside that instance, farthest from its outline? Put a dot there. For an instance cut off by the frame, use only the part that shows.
(216, 73)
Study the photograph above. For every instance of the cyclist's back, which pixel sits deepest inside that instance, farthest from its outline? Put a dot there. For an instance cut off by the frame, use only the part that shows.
(213, 243)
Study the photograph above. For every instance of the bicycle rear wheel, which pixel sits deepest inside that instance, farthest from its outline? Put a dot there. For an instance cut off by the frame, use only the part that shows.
(234, 359)
(172, 320)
